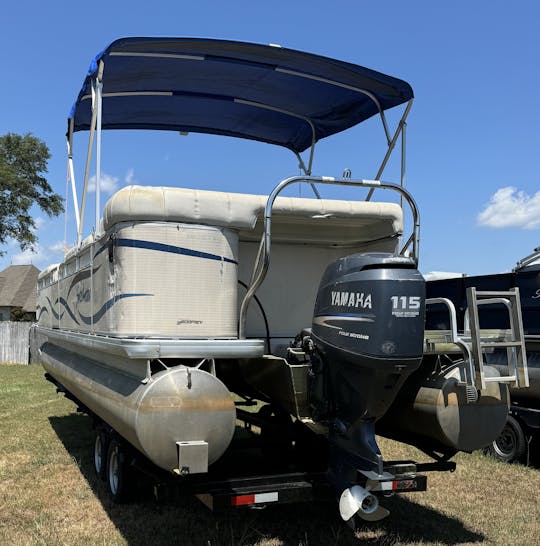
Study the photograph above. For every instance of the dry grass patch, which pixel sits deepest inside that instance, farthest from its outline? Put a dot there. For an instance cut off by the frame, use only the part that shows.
(50, 495)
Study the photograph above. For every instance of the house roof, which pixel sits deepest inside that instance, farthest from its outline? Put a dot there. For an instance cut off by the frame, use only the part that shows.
(18, 287)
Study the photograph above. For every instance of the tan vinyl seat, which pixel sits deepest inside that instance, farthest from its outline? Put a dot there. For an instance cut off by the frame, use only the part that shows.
(294, 220)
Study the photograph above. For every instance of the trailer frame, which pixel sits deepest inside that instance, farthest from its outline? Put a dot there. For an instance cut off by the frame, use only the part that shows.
(224, 487)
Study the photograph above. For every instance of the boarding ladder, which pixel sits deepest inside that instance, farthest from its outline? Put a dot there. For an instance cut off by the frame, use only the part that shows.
(474, 341)
(513, 342)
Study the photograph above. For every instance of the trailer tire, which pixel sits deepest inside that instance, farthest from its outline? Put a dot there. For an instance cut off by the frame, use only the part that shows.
(101, 447)
(119, 473)
(510, 445)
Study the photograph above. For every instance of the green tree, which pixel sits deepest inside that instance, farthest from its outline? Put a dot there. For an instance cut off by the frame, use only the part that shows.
(23, 162)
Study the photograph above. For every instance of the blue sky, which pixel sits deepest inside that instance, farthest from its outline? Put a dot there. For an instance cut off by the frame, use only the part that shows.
(472, 139)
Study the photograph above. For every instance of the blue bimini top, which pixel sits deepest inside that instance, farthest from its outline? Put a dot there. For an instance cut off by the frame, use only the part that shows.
(260, 92)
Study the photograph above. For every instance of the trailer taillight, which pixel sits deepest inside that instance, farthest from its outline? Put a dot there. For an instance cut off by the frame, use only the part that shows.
(257, 498)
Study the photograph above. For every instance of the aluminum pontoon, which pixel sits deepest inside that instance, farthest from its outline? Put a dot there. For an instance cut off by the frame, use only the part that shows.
(312, 306)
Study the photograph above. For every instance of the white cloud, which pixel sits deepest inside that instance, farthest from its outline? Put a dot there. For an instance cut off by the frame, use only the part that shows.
(509, 207)
(129, 177)
(57, 247)
(109, 183)
(28, 256)
(40, 256)
(39, 222)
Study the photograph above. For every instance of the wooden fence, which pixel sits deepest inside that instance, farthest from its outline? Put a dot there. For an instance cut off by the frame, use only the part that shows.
(15, 342)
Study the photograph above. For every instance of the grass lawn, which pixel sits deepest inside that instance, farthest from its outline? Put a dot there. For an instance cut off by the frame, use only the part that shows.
(50, 495)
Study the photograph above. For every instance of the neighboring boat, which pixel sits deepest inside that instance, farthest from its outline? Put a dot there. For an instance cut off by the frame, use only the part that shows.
(314, 306)
(524, 420)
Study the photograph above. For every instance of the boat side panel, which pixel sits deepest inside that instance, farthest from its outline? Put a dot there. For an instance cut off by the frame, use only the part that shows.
(47, 299)
(175, 279)
(148, 279)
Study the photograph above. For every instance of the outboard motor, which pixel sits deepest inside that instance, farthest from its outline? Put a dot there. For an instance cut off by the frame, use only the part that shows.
(368, 332)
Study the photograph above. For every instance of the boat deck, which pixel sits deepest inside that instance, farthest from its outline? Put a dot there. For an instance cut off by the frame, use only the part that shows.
(154, 347)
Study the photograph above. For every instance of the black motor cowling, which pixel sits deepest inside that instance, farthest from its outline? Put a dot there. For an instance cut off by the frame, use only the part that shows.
(368, 330)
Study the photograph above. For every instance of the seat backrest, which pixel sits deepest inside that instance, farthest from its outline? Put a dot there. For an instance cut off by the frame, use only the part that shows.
(295, 220)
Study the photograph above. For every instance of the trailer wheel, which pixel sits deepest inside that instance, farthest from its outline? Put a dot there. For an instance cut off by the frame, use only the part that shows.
(119, 473)
(510, 445)
(101, 446)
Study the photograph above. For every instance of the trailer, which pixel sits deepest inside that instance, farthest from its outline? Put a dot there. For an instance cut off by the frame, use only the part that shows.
(266, 464)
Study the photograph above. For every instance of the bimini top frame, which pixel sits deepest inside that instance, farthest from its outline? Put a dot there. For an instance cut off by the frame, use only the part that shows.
(259, 92)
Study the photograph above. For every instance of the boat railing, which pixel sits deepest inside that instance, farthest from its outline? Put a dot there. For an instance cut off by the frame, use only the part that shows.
(262, 261)
(474, 341)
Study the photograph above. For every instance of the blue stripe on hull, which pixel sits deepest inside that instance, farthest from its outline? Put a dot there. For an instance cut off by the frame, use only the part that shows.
(56, 315)
(160, 247)
(106, 306)
(88, 320)
(70, 312)
(171, 249)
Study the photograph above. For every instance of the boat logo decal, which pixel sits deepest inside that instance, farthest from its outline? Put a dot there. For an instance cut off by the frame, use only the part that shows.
(351, 299)
(83, 295)
(354, 335)
(406, 306)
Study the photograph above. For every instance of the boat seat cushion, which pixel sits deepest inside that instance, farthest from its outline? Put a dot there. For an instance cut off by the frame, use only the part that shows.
(317, 221)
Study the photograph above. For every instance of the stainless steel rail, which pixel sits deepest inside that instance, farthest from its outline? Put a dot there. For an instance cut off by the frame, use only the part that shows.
(262, 261)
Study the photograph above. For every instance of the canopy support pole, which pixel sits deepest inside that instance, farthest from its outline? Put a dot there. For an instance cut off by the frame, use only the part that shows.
(307, 170)
(87, 167)
(403, 157)
(99, 95)
(93, 124)
(391, 146)
(71, 174)
(403, 153)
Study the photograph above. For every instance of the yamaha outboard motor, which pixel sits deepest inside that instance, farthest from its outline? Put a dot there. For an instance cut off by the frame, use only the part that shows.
(368, 332)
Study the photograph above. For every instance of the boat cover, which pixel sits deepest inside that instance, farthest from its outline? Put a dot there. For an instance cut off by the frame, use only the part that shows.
(260, 92)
